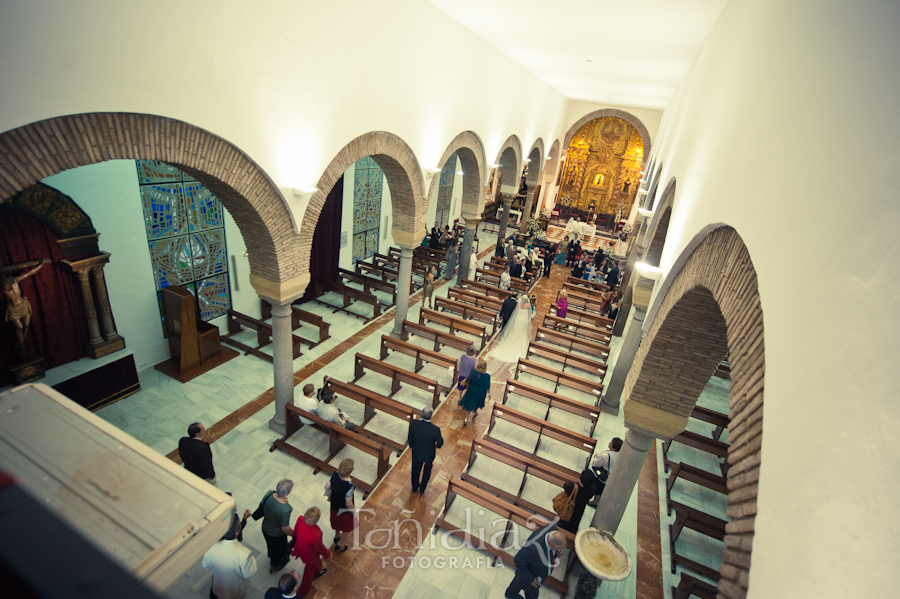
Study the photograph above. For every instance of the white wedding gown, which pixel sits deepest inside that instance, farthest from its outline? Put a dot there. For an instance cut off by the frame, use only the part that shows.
(514, 339)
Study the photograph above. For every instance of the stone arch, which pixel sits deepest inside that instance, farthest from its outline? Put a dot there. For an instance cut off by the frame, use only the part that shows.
(44, 148)
(403, 174)
(536, 164)
(510, 160)
(621, 114)
(659, 228)
(470, 151)
(709, 306)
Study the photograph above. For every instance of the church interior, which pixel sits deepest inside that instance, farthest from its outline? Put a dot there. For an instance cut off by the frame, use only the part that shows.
(205, 207)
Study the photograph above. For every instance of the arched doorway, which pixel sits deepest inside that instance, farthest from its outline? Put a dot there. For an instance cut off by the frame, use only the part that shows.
(510, 161)
(532, 181)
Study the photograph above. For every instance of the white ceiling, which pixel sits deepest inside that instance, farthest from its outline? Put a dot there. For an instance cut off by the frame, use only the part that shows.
(629, 53)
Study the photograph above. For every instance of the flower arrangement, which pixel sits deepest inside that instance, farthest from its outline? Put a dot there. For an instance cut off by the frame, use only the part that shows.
(607, 249)
(540, 235)
(566, 200)
(545, 213)
(627, 229)
(533, 225)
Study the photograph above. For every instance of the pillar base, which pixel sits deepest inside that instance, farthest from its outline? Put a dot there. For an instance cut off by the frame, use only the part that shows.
(105, 347)
(278, 427)
(609, 408)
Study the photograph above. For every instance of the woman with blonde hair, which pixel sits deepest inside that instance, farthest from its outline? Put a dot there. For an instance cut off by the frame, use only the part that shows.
(477, 387)
(309, 548)
(339, 491)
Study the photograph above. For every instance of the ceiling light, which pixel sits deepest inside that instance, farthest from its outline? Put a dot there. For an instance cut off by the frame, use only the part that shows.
(303, 191)
(460, 173)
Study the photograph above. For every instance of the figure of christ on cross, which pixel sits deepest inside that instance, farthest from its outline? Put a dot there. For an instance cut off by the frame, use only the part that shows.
(18, 310)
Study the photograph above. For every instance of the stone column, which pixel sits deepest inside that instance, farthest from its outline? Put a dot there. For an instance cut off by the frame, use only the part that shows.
(403, 283)
(526, 213)
(612, 393)
(465, 253)
(507, 203)
(109, 329)
(283, 362)
(622, 480)
(90, 311)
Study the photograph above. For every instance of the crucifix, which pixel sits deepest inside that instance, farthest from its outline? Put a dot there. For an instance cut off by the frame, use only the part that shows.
(18, 310)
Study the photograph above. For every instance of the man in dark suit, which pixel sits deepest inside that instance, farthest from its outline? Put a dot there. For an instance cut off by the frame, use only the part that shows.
(424, 440)
(196, 454)
(516, 271)
(506, 310)
(535, 561)
(612, 278)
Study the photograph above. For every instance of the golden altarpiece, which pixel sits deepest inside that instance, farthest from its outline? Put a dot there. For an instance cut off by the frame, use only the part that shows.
(602, 171)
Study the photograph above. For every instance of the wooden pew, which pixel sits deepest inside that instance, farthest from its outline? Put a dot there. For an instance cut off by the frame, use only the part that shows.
(429, 252)
(694, 519)
(237, 322)
(454, 324)
(338, 438)
(485, 289)
(468, 312)
(373, 403)
(559, 378)
(437, 264)
(513, 513)
(694, 475)
(476, 299)
(565, 358)
(542, 428)
(528, 465)
(553, 400)
(584, 302)
(369, 283)
(717, 419)
(579, 329)
(493, 278)
(422, 356)
(527, 281)
(394, 263)
(572, 343)
(440, 338)
(689, 586)
(592, 286)
(382, 272)
(398, 376)
(298, 316)
(591, 318)
(717, 448)
(350, 295)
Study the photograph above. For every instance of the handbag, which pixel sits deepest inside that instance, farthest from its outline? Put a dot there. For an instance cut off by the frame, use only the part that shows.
(258, 513)
(564, 504)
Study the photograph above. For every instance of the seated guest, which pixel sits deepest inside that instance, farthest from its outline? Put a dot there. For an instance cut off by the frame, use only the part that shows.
(328, 411)
(516, 271)
(505, 279)
(612, 278)
(578, 269)
(306, 401)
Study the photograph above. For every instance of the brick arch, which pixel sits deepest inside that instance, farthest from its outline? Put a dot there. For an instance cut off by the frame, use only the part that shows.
(536, 154)
(510, 158)
(404, 177)
(620, 114)
(38, 150)
(468, 147)
(708, 306)
(659, 228)
(552, 162)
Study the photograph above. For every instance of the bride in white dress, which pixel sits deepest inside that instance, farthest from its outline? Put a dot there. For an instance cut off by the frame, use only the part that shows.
(514, 338)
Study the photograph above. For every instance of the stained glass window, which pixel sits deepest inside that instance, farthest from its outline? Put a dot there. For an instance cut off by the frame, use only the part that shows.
(368, 181)
(186, 234)
(445, 192)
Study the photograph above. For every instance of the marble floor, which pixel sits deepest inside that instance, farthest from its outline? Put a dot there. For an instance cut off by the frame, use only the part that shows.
(395, 553)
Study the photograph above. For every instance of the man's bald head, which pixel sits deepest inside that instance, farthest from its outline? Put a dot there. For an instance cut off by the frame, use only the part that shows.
(556, 540)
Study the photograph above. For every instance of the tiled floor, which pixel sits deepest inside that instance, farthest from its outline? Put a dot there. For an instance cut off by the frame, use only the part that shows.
(398, 555)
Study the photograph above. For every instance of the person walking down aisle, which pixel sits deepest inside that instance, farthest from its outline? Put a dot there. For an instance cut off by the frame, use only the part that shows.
(276, 514)
(339, 491)
(452, 257)
(466, 364)
(585, 491)
(309, 548)
(287, 587)
(535, 562)
(428, 287)
(514, 338)
(477, 386)
(231, 563)
(424, 440)
(473, 265)
(507, 309)
(196, 454)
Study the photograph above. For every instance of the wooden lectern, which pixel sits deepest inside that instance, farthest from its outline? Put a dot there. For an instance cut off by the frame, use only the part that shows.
(194, 344)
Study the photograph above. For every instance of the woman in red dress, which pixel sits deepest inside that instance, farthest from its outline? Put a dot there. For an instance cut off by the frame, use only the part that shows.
(309, 548)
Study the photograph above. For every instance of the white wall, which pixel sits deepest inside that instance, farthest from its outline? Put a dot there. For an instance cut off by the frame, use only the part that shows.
(290, 84)
(110, 195)
(786, 128)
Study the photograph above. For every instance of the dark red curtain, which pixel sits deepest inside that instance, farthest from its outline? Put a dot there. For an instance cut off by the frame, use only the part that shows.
(58, 330)
(326, 247)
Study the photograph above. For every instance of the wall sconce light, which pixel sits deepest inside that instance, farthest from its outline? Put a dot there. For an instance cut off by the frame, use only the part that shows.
(305, 191)
(645, 213)
(431, 171)
(528, 160)
(460, 173)
(496, 165)
(646, 270)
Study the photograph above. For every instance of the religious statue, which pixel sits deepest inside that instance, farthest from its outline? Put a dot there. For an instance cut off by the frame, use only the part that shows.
(18, 310)
(625, 186)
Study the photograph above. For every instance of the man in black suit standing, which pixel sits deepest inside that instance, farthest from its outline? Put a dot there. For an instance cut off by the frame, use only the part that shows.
(424, 440)
(535, 561)
(516, 271)
(506, 310)
(612, 278)
(196, 454)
